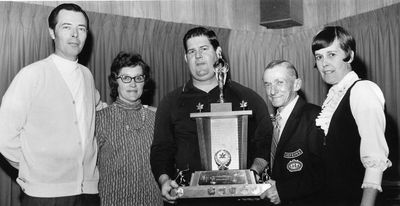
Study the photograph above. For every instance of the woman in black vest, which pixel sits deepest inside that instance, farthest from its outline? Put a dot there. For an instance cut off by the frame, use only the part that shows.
(353, 120)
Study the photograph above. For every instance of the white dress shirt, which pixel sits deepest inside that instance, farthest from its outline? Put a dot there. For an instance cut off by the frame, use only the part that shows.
(285, 113)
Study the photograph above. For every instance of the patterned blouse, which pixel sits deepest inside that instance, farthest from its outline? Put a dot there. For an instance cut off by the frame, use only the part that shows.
(124, 134)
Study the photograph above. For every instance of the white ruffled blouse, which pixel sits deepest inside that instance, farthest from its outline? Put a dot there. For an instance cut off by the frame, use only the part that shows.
(367, 107)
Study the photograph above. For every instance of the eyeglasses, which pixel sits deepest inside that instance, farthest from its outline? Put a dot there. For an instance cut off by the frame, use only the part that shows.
(193, 52)
(128, 79)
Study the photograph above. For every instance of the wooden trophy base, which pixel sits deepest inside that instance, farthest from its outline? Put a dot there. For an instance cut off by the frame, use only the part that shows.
(222, 184)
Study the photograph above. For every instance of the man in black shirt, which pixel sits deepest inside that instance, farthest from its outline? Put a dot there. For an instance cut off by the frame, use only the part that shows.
(175, 146)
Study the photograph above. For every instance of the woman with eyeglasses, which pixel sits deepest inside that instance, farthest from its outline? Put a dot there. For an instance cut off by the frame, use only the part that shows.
(124, 132)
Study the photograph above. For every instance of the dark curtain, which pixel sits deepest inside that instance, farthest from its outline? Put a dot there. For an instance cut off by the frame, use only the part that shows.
(24, 39)
(159, 43)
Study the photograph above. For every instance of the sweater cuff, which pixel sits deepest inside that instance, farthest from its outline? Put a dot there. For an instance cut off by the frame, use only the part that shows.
(258, 165)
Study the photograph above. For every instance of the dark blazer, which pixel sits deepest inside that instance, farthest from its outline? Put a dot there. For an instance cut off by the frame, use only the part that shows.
(298, 164)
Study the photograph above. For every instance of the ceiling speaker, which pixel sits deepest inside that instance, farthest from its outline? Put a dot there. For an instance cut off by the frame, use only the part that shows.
(278, 14)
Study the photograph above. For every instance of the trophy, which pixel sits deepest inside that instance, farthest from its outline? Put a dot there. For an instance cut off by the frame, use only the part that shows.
(222, 136)
(221, 70)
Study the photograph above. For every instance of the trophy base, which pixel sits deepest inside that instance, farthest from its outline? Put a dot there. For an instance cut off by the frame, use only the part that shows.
(222, 184)
(221, 191)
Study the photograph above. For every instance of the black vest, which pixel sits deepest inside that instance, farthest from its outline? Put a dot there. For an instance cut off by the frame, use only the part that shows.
(345, 171)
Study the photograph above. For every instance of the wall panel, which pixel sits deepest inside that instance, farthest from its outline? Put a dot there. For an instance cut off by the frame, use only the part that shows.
(237, 14)
(233, 14)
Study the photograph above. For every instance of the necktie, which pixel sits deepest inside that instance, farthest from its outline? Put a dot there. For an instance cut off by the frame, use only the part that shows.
(275, 137)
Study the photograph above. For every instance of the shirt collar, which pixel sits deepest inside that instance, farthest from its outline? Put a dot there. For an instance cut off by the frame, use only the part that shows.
(346, 82)
(64, 65)
(188, 86)
(287, 110)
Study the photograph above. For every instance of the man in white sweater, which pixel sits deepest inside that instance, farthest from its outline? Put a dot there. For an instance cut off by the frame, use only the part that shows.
(47, 120)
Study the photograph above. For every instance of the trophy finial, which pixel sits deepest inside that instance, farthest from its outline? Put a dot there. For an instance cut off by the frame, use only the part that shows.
(221, 69)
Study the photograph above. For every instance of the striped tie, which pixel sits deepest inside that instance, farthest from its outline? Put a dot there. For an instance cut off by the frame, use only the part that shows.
(275, 137)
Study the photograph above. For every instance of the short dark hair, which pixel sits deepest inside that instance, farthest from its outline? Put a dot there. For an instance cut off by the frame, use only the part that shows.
(69, 6)
(288, 65)
(201, 31)
(125, 59)
(326, 37)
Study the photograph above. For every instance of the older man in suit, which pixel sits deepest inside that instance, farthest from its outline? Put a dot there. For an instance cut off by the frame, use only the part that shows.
(294, 152)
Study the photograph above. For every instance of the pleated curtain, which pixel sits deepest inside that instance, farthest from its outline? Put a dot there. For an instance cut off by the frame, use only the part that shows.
(24, 39)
